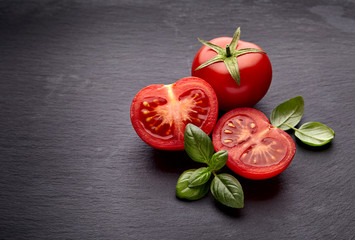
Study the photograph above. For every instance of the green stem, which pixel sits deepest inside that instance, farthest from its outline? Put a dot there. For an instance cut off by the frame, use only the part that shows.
(228, 51)
(288, 125)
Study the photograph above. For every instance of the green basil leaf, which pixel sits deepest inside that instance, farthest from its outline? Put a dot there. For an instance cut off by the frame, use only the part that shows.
(185, 192)
(199, 177)
(198, 144)
(289, 112)
(227, 190)
(315, 134)
(218, 160)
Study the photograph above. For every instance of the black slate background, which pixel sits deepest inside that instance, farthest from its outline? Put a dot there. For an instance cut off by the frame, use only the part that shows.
(72, 166)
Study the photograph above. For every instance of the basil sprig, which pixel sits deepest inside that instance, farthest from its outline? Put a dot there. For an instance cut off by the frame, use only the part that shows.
(193, 184)
(288, 114)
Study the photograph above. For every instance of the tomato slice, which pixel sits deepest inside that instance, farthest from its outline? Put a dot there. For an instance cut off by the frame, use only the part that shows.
(159, 113)
(256, 149)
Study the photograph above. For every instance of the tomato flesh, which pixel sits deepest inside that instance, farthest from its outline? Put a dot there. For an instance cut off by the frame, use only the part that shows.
(256, 149)
(159, 113)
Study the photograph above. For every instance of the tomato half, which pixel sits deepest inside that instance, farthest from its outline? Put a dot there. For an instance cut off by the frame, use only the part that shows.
(159, 113)
(256, 149)
(255, 75)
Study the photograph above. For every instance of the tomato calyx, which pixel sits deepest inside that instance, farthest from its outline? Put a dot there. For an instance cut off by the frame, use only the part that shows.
(228, 55)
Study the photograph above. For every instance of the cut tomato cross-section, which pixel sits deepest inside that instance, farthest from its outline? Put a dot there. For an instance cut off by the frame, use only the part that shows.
(159, 113)
(256, 149)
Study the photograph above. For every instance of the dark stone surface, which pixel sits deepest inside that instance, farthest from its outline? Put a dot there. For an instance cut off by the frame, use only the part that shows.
(72, 166)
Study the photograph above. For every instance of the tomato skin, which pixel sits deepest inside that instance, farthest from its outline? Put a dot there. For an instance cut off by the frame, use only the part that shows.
(257, 152)
(169, 108)
(255, 75)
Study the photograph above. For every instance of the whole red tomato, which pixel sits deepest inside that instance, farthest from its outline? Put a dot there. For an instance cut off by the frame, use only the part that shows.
(160, 113)
(229, 62)
(256, 149)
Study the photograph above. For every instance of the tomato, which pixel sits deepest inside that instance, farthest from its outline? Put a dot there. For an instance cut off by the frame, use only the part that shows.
(159, 113)
(255, 75)
(256, 149)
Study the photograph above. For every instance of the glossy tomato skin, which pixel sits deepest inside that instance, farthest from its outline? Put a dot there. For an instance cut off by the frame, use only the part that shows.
(255, 75)
(256, 149)
(160, 113)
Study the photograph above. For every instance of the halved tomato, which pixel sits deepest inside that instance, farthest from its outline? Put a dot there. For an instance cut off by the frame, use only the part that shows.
(256, 149)
(159, 113)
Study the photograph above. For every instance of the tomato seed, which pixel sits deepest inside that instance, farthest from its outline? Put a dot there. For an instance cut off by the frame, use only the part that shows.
(168, 132)
(157, 127)
(149, 118)
(196, 119)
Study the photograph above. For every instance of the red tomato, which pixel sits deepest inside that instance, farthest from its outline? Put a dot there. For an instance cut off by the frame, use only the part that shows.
(256, 149)
(159, 113)
(255, 75)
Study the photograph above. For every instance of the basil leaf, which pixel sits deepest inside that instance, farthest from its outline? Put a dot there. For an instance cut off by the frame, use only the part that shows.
(218, 160)
(289, 112)
(315, 134)
(227, 190)
(199, 177)
(185, 192)
(198, 144)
